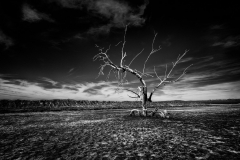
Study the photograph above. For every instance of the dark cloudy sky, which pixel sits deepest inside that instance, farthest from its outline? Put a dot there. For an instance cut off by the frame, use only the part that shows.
(47, 47)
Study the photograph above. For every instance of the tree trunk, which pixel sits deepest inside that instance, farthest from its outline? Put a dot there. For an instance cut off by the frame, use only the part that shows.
(144, 100)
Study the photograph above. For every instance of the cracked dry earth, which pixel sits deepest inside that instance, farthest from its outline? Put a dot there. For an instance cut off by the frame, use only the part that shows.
(211, 132)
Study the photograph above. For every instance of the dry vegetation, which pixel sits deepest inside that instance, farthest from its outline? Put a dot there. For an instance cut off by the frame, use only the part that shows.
(10, 106)
(211, 132)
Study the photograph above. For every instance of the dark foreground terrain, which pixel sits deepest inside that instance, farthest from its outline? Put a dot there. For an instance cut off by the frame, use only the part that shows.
(204, 132)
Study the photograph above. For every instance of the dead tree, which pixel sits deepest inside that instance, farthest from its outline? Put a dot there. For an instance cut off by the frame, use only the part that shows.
(122, 69)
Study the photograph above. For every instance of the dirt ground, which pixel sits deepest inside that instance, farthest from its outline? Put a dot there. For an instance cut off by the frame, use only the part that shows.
(204, 132)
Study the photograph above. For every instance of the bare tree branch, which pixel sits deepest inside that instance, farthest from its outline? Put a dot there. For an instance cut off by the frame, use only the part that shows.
(120, 71)
(135, 57)
(145, 74)
(102, 55)
(152, 51)
(132, 97)
(174, 64)
(164, 80)
(124, 76)
(118, 43)
(101, 70)
(157, 74)
(178, 56)
(109, 74)
(184, 72)
(166, 71)
(138, 96)
(124, 41)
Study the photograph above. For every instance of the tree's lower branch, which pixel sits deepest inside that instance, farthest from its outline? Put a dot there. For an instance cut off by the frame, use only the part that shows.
(138, 96)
